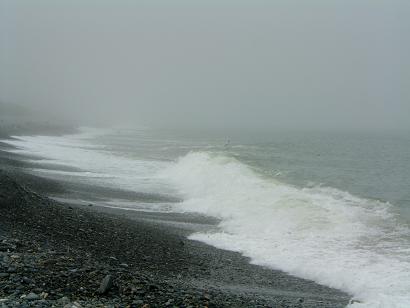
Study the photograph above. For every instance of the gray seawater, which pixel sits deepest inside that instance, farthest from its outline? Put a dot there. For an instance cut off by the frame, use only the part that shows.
(333, 208)
(374, 166)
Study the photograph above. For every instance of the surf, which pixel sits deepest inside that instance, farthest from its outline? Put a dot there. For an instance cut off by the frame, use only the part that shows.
(319, 233)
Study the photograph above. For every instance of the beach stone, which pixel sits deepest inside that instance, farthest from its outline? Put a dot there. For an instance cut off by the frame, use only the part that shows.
(26, 280)
(32, 296)
(11, 270)
(6, 247)
(105, 285)
(153, 287)
(169, 302)
(206, 297)
(64, 300)
(73, 305)
(44, 295)
(42, 303)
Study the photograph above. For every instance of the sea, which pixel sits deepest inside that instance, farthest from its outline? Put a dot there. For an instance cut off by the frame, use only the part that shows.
(330, 207)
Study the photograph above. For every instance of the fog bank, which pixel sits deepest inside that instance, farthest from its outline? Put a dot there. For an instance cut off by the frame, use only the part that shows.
(237, 64)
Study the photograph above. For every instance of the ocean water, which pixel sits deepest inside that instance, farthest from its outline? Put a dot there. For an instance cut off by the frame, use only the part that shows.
(333, 208)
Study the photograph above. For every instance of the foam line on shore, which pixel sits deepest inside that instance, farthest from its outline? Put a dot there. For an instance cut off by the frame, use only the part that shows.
(319, 233)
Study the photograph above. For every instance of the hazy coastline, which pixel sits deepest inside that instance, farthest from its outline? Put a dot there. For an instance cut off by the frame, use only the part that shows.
(208, 153)
(161, 265)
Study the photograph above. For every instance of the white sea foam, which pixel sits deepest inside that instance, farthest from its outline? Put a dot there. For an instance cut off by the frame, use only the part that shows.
(318, 233)
(92, 160)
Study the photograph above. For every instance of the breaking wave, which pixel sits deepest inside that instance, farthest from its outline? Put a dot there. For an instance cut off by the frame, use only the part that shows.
(319, 233)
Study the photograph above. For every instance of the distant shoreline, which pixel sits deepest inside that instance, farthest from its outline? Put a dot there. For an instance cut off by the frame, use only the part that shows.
(34, 128)
(71, 248)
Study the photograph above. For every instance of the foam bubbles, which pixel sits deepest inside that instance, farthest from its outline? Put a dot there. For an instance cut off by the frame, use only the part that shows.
(91, 161)
(317, 233)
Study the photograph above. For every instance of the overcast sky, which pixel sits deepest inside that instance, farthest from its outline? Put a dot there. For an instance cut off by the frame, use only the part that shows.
(253, 64)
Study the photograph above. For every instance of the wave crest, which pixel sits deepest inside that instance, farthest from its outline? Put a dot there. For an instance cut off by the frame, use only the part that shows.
(318, 233)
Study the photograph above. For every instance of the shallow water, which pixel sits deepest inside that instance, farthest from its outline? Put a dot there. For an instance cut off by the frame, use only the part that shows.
(328, 207)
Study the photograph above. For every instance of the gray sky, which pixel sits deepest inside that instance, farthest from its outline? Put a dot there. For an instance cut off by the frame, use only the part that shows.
(253, 64)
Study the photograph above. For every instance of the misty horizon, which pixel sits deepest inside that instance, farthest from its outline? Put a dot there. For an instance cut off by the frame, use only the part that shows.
(257, 65)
